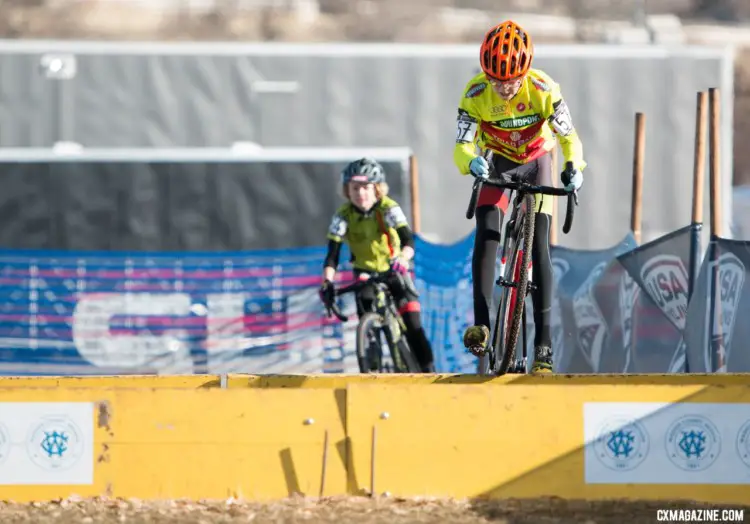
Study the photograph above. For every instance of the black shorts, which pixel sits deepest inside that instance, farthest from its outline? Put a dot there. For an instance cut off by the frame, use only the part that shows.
(537, 171)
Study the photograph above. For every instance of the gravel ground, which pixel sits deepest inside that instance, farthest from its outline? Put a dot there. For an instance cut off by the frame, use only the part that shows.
(338, 510)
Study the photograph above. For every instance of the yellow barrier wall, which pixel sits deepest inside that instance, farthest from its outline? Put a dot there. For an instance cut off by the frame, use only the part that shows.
(265, 439)
(333, 381)
(523, 441)
(344, 380)
(113, 381)
(210, 443)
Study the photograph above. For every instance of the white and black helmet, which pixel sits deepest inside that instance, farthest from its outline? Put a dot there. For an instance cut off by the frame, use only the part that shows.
(363, 170)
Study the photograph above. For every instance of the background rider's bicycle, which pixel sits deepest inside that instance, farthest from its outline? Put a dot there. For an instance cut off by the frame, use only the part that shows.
(515, 263)
(381, 322)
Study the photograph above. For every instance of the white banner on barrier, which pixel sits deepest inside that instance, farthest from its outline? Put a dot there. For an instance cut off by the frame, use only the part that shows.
(666, 443)
(49, 443)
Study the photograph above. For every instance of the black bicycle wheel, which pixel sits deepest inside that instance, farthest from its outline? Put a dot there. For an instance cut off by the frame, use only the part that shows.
(510, 310)
(403, 358)
(369, 356)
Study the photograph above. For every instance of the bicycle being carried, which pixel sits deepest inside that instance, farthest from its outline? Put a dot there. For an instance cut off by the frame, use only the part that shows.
(380, 320)
(515, 264)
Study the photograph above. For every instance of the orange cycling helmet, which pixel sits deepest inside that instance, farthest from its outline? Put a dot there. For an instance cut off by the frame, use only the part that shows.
(506, 52)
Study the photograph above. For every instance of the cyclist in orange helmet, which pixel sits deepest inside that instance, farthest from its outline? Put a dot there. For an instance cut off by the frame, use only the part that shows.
(517, 112)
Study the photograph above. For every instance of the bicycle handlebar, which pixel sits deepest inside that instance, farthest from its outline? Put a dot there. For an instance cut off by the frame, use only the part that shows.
(351, 288)
(526, 187)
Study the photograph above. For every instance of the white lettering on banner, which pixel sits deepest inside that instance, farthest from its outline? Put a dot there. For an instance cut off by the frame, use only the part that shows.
(731, 281)
(227, 336)
(666, 443)
(628, 295)
(590, 324)
(46, 443)
(666, 281)
(560, 268)
(700, 515)
(95, 343)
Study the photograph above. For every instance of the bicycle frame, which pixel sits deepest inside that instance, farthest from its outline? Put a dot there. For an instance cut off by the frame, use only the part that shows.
(383, 305)
(512, 236)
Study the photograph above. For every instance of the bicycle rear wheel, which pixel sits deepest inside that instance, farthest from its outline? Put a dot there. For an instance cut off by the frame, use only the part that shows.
(510, 309)
(369, 356)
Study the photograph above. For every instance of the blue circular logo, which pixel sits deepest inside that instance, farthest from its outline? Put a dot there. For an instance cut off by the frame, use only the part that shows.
(693, 443)
(55, 443)
(743, 443)
(622, 444)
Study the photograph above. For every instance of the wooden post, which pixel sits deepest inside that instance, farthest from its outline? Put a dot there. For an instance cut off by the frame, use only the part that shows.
(636, 208)
(416, 224)
(699, 160)
(699, 177)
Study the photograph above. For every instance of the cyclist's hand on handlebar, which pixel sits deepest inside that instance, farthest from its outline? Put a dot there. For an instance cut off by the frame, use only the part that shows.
(572, 179)
(400, 266)
(479, 168)
(327, 293)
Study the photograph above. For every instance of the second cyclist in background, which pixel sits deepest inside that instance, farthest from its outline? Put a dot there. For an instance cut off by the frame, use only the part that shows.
(380, 239)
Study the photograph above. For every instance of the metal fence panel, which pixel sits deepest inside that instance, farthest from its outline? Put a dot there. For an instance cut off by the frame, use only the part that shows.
(162, 201)
(195, 95)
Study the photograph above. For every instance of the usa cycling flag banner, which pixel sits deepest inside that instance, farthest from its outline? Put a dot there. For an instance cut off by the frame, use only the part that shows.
(716, 330)
(587, 324)
(660, 269)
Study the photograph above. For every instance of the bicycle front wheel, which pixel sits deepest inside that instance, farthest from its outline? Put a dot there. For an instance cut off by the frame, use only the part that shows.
(510, 310)
(369, 356)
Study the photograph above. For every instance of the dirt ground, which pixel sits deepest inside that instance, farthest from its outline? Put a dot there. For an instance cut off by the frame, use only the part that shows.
(340, 510)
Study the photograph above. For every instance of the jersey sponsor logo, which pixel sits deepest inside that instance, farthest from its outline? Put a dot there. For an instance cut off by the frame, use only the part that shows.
(517, 122)
(499, 108)
(512, 138)
(476, 90)
(517, 139)
(666, 282)
(541, 85)
(521, 106)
